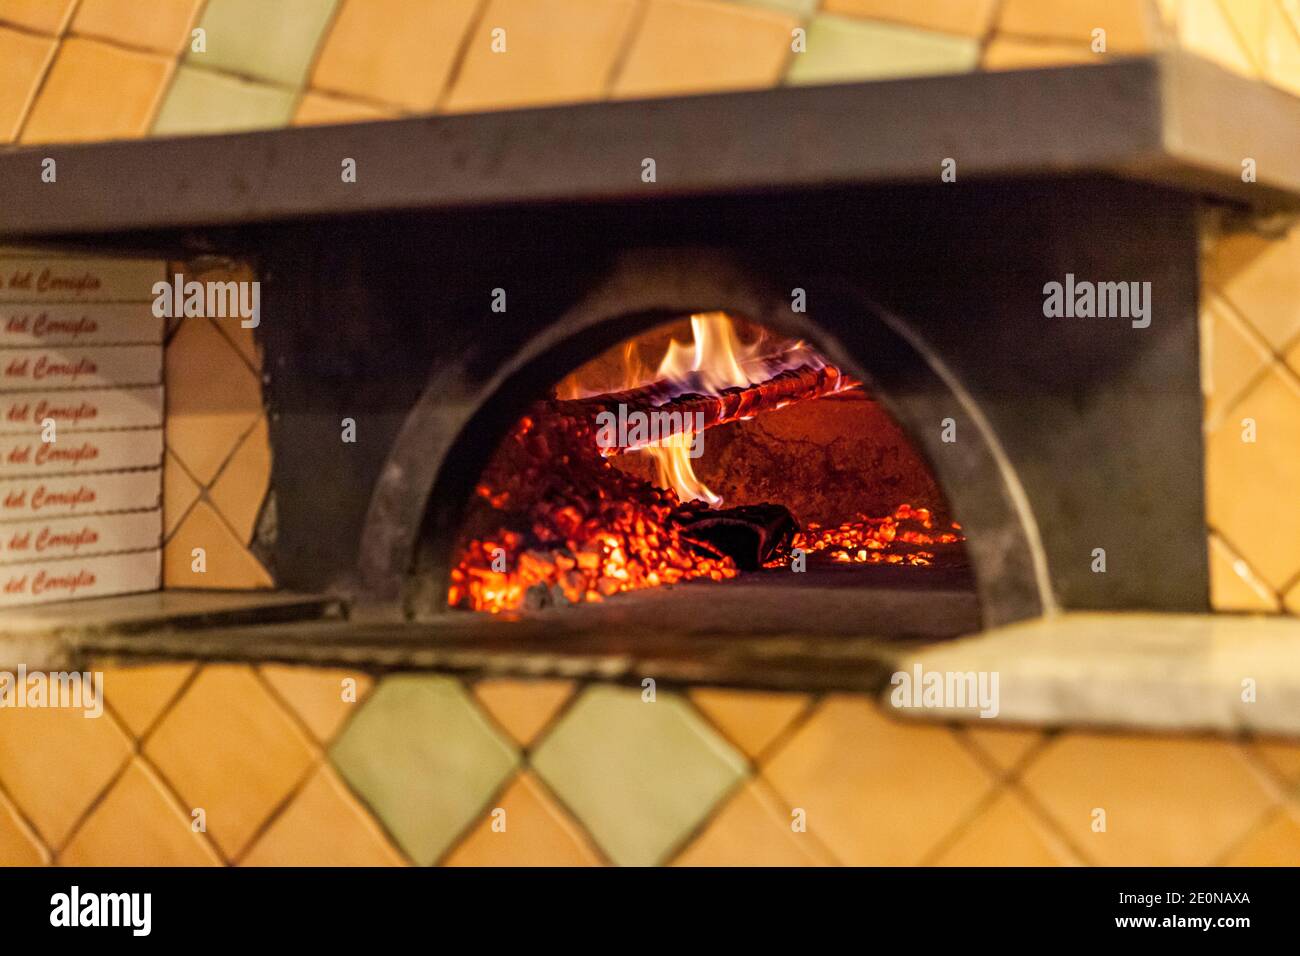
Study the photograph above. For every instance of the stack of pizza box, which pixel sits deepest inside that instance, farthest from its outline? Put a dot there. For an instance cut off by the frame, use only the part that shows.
(81, 437)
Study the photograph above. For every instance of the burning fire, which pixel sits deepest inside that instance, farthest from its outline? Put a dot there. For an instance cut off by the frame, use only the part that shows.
(715, 360)
(894, 539)
(554, 522)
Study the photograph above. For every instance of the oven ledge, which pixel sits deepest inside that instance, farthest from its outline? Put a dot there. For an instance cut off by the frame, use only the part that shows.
(1216, 673)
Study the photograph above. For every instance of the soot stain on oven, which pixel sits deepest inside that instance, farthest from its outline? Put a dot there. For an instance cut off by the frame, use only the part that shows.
(704, 450)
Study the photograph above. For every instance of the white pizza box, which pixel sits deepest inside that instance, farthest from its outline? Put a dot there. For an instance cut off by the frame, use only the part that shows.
(82, 279)
(82, 409)
(86, 536)
(28, 499)
(24, 325)
(40, 582)
(75, 452)
(70, 367)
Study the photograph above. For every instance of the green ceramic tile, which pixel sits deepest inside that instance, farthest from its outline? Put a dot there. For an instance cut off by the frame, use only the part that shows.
(800, 8)
(201, 101)
(638, 775)
(842, 50)
(425, 759)
(272, 40)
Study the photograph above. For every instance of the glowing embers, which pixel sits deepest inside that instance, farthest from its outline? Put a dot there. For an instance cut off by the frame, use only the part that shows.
(573, 509)
(905, 537)
(554, 523)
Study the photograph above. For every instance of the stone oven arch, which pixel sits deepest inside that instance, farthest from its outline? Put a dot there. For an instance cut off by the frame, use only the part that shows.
(429, 475)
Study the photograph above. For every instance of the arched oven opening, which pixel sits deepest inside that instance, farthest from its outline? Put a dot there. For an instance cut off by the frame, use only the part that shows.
(709, 468)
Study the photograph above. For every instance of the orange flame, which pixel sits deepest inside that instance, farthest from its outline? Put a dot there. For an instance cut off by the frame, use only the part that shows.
(715, 360)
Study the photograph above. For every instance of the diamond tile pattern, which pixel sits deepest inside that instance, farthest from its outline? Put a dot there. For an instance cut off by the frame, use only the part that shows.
(324, 826)
(217, 469)
(640, 774)
(426, 769)
(228, 748)
(1252, 320)
(425, 759)
(525, 827)
(1153, 793)
(138, 824)
(888, 802)
(273, 42)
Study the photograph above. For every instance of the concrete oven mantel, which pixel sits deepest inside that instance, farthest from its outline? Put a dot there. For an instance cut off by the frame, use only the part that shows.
(1173, 120)
(1039, 154)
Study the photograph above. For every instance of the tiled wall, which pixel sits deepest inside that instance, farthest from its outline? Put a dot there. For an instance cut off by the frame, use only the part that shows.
(417, 770)
(286, 770)
(217, 467)
(104, 69)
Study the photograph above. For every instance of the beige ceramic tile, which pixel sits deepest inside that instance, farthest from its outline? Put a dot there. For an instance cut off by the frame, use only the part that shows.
(1234, 354)
(1280, 49)
(750, 719)
(1248, 20)
(538, 832)
(95, 91)
(1131, 26)
(1167, 801)
(323, 826)
(213, 399)
(1234, 586)
(557, 51)
(319, 109)
(1291, 599)
(1013, 53)
(138, 824)
(228, 748)
(1250, 483)
(695, 46)
(241, 486)
(1205, 30)
(140, 694)
(23, 59)
(1276, 842)
(44, 16)
(523, 708)
(228, 564)
(1004, 746)
(232, 327)
(968, 17)
(55, 782)
(1260, 278)
(394, 51)
(162, 25)
(1282, 757)
(179, 492)
(323, 698)
(751, 829)
(876, 792)
(1006, 833)
(19, 846)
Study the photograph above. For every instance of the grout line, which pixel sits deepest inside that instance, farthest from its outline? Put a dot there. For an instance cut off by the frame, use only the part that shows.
(526, 765)
(35, 96)
(26, 824)
(322, 41)
(1273, 784)
(99, 797)
(625, 45)
(462, 55)
(1239, 554)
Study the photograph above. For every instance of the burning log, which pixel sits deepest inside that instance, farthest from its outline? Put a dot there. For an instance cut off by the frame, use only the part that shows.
(751, 536)
(674, 412)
